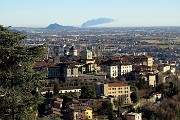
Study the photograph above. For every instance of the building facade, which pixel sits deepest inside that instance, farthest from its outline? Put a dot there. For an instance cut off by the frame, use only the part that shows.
(120, 91)
(112, 71)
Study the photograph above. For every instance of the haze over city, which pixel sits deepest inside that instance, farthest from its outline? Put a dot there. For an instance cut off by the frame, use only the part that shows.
(122, 13)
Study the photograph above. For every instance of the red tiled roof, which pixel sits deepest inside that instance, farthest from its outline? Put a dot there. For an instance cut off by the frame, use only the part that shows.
(117, 84)
(43, 64)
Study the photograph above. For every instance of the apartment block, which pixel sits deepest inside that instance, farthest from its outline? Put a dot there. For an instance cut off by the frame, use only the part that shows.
(120, 91)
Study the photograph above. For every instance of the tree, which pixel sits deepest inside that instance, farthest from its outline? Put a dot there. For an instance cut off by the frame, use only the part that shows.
(141, 83)
(134, 95)
(160, 88)
(107, 109)
(88, 92)
(18, 81)
(56, 88)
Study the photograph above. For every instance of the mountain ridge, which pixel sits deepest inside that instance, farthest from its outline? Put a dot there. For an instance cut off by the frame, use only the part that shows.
(56, 26)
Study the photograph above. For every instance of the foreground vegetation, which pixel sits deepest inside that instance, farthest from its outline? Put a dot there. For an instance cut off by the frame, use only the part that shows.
(18, 82)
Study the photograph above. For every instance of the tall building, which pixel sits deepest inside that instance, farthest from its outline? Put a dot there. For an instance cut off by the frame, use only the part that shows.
(86, 54)
(96, 49)
(56, 57)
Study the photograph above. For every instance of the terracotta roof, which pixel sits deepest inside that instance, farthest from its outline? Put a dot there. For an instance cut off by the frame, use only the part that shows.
(117, 84)
(80, 107)
(43, 64)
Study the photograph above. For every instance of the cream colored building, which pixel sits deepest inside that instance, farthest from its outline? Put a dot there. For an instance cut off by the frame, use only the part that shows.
(152, 80)
(150, 61)
(78, 112)
(120, 91)
(71, 71)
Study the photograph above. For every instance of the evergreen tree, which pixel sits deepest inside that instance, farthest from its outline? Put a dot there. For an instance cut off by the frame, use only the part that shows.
(134, 95)
(141, 83)
(18, 81)
(107, 109)
(88, 92)
(56, 89)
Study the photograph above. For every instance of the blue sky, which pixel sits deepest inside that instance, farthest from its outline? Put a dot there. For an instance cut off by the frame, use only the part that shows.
(41, 13)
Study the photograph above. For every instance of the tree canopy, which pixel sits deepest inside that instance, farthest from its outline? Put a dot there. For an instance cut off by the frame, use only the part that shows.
(87, 92)
(17, 78)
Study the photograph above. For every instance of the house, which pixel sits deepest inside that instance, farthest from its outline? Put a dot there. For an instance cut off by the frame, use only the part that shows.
(119, 90)
(56, 109)
(138, 60)
(133, 116)
(78, 112)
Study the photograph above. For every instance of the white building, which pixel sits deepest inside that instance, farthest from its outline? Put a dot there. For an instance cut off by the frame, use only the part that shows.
(70, 89)
(124, 69)
(133, 116)
(112, 71)
(166, 68)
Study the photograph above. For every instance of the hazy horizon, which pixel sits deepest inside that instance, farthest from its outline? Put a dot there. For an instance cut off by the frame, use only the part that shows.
(122, 13)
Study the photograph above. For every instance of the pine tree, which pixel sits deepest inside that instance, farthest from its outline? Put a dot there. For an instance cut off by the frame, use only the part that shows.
(17, 78)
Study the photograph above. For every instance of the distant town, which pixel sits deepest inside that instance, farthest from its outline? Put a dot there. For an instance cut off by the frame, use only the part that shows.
(123, 73)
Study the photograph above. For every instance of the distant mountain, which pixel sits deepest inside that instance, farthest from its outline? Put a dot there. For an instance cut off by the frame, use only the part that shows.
(56, 26)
